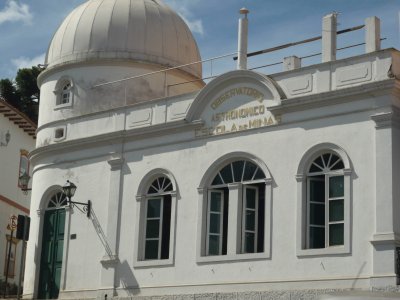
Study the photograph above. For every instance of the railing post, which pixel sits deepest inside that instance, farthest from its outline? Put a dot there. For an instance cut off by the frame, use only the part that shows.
(329, 28)
(372, 34)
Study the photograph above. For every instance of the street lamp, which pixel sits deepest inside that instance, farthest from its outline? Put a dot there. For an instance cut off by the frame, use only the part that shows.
(24, 181)
(69, 191)
(8, 138)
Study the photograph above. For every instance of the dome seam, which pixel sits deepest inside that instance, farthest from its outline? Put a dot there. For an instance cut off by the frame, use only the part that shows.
(92, 25)
(77, 25)
(109, 25)
(162, 29)
(69, 18)
(129, 23)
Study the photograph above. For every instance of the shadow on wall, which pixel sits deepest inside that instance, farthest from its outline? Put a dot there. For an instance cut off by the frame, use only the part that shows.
(124, 272)
(127, 279)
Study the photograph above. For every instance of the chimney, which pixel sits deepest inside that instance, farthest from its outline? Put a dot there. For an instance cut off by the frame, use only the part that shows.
(242, 40)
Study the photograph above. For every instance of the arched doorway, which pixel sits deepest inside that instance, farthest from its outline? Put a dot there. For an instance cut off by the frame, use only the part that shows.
(52, 247)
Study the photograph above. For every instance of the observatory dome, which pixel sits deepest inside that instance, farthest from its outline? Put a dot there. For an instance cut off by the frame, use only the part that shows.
(146, 31)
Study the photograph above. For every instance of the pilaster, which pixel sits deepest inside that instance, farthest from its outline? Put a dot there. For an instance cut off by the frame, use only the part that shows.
(110, 259)
(385, 238)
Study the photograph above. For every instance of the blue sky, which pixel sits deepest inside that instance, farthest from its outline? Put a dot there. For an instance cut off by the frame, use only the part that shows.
(26, 28)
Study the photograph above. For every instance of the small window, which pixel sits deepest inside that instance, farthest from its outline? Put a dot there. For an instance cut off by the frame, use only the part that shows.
(64, 93)
(23, 164)
(59, 134)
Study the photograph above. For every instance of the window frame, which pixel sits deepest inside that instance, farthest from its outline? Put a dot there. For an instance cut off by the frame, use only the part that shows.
(60, 91)
(221, 222)
(235, 221)
(142, 198)
(302, 178)
(256, 210)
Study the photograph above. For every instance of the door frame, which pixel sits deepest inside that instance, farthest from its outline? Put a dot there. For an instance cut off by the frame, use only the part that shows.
(67, 227)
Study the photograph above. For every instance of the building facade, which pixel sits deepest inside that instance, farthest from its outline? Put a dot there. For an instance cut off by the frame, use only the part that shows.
(249, 186)
(17, 139)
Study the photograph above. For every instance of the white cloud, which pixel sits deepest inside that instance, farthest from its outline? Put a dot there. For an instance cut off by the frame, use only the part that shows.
(25, 62)
(194, 25)
(14, 12)
(183, 8)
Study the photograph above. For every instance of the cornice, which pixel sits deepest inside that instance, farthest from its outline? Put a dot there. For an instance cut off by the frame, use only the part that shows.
(115, 137)
(387, 119)
(334, 97)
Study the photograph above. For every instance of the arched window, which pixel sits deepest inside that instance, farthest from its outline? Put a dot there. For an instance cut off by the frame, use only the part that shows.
(251, 198)
(325, 202)
(64, 93)
(58, 200)
(158, 219)
(324, 197)
(235, 215)
(156, 228)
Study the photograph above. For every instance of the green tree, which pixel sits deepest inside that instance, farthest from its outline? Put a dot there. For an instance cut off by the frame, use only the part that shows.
(24, 93)
(9, 92)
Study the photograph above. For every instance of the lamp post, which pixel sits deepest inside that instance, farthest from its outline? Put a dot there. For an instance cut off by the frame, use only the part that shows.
(69, 190)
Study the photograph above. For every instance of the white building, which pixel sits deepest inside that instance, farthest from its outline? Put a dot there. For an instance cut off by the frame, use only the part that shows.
(17, 139)
(249, 187)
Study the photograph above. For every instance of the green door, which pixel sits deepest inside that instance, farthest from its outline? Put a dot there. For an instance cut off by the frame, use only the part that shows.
(52, 254)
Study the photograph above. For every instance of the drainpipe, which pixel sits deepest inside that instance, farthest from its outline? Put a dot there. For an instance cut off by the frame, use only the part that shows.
(242, 40)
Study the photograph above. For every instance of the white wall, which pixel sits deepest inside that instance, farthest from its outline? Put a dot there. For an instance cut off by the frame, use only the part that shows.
(342, 117)
(12, 199)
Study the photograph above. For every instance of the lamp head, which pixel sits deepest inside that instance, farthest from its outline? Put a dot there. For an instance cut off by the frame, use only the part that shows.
(24, 180)
(8, 137)
(69, 189)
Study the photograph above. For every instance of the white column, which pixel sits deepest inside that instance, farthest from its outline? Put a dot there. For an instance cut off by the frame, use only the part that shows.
(242, 40)
(110, 260)
(385, 238)
(329, 28)
(372, 34)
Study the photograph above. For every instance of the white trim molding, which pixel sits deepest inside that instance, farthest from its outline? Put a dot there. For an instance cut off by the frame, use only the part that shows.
(235, 191)
(142, 198)
(301, 211)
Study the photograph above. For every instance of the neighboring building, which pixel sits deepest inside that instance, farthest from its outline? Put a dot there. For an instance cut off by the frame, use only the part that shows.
(248, 187)
(17, 139)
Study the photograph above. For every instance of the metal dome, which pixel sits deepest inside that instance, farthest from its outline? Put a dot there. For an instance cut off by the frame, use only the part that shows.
(141, 30)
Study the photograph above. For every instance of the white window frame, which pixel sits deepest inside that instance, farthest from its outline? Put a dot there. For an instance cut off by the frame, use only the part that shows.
(235, 214)
(160, 229)
(63, 137)
(60, 92)
(244, 209)
(221, 221)
(141, 211)
(302, 222)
